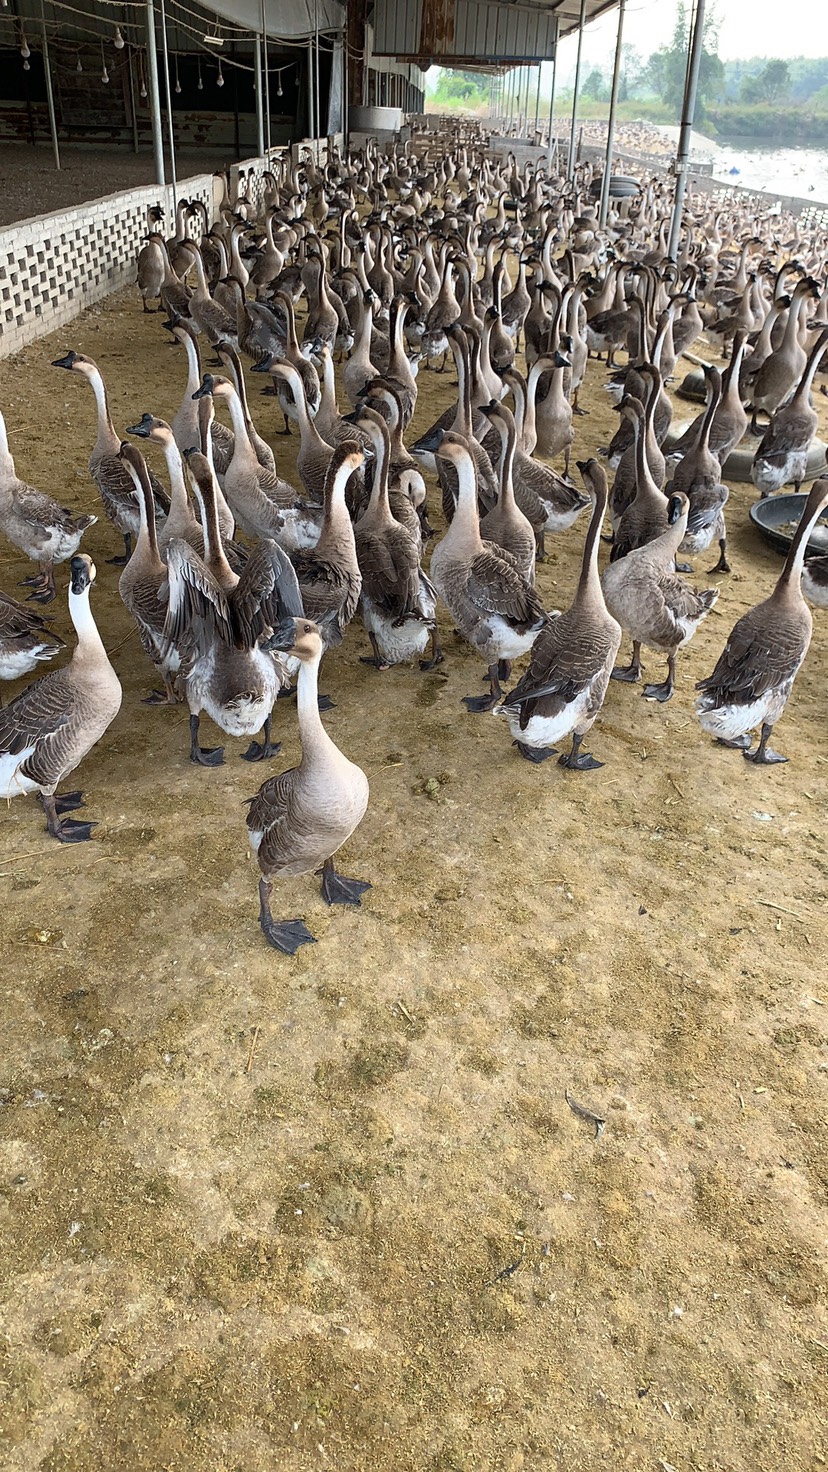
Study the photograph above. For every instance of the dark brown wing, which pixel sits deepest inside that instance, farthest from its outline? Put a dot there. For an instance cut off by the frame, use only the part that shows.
(197, 609)
(267, 592)
(495, 587)
(762, 653)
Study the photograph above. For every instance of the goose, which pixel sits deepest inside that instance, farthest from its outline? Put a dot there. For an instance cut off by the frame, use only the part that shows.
(227, 355)
(105, 466)
(371, 423)
(329, 577)
(815, 581)
(560, 503)
(32, 521)
(440, 316)
(645, 516)
(216, 620)
(403, 468)
(782, 455)
(294, 356)
(209, 316)
(185, 419)
(494, 608)
(47, 730)
(152, 268)
(655, 606)
(143, 583)
(572, 658)
(300, 818)
(699, 475)
(778, 374)
(399, 603)
(552, 414)
(360, 367)
(25, 639)
(180, 521)
(730, 420)
(754, 675)
(263, 504)
(314, 455)
(506, 524)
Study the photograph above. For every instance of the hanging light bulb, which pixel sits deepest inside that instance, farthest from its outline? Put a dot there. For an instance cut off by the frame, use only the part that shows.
(79, 67)
(177, 83)
(24, 47)
(279, 91)
(26, 66)
(220, 77)
(200, 83)
(118, 40)
(104, 72)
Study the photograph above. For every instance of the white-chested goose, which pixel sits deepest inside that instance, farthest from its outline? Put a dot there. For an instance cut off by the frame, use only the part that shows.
(105, 465)
(216, 620)
(329, 577)
(300, 818)
(32, 521)
(25, 639)
(754, 675)
(143, 584)
(572, 659)
(782, 455)
(47, 730)
(494, 608)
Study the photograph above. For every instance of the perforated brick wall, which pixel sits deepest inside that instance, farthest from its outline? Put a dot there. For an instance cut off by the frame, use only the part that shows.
(53, 266)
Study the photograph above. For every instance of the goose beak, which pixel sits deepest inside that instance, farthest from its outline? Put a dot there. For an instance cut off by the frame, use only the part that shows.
(67, 362)
(142, 430)
(283, 637)
(81, 573)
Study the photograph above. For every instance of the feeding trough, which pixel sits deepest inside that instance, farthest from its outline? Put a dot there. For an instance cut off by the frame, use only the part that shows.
(777, 518)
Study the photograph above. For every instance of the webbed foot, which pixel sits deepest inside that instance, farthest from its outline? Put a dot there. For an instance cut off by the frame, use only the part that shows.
(286, 935)
(661, 693)
(582, 763)
(739, 743)
(68, 831)
(259, 751)
(337, 890)
(535, 754)
(478, 703)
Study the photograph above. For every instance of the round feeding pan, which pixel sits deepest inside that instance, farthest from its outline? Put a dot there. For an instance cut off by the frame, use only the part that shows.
(776, 518)
(622, 186)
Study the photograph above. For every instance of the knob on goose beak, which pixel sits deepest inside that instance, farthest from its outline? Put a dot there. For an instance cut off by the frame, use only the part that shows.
(142, 430)
(206, 387)
(68, 362)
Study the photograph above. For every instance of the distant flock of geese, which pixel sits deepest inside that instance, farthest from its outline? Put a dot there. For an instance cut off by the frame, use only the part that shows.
(395, 261)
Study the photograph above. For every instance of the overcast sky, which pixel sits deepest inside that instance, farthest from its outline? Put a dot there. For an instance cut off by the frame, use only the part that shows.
(746, 28)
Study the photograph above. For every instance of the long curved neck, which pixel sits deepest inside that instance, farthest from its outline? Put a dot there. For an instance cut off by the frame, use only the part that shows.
(378, 504)
(362, 346)
(466, 520)
(589, 583)
(792, 324)
(807, 379)
(508, 440)
(107, 441)
(788, 584)
(7, 471)
(242, 443)
(213, 546)
(316, 743)
(90, 645)
(179, 500)
(193, 364)
(147, 545)
(703, 442)
(462, 419)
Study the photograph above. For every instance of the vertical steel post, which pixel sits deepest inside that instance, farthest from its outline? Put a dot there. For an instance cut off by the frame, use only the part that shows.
(311, 98)
(570, 163)
(169, 102)
(537, 100)
(266, 70)
(257, 69)
(605, 182)
(49, 93)
(551, 141)
(688, 113)
(154, 97)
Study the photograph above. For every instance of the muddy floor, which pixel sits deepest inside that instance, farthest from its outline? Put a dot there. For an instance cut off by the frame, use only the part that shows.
(33, 186)
(334, 1211)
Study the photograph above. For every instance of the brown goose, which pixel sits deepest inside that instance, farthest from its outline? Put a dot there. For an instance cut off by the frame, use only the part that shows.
(754, 675)
(654, 605)
(25, 639)
(105, 465)
(699, 475)
(46, 732)
(300, 818)
(572, 659)
(494, 608)
(782, 455)
(185, 420)
(329, 577)
(646, 515)
(506, 525)
(143, 584)
(45, 531)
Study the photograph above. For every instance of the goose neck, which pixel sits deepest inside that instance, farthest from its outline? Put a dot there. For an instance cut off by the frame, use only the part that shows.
(589, 583)
(7, 471)
(316, 743)
(788, 584)
(107, 439)
(90, 645)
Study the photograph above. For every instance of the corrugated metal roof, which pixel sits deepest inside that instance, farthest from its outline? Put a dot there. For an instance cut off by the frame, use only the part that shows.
(477, 32)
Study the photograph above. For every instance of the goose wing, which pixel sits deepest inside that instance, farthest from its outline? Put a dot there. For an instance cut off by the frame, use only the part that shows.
(673, 605)
(42, 514)
(18, 621)
(267, 592)
(495, 586)
(566, 657)
(41, 717)
(705, 506)
(197, 608)
(760, 655)
(390, 570)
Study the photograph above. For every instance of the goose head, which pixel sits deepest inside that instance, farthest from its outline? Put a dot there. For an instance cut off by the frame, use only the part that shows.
(297, 636)
(150, 428)
(82, 573)
(74, 362)
(677, 507)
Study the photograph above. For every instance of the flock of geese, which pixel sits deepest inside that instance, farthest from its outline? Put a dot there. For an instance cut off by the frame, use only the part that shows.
(239, 581)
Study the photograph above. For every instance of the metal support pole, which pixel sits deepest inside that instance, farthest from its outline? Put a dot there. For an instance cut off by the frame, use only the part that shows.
(605, 182)
(266, 68)
(49, 94)
(257, 71)
(570, 163)
(537, 100)
(169, 102)
(154, 97)
(131, 75)
(550, 143)
(688, 114)
(311, 98)
(316, 87)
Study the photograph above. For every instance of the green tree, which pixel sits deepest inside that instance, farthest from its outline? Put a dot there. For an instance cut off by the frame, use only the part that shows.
(667, 67)
(595, 86)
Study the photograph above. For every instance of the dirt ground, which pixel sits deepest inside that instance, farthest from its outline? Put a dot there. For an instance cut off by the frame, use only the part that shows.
(33, 186)
(334, 1211)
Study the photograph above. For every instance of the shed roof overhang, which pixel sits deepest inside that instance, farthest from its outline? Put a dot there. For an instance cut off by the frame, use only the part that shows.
(477, 33)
